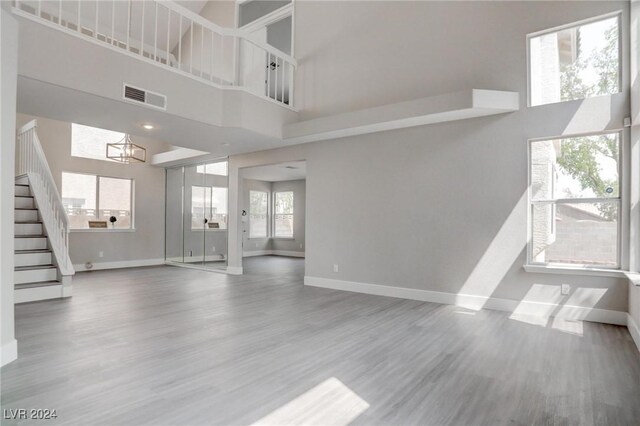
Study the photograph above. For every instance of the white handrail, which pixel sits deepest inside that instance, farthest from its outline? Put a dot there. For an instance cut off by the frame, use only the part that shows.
(158, 30)
(32, 163)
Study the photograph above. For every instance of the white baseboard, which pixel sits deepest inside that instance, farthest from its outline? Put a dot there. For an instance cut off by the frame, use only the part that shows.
(475, 302)
(634, 330)
(256, 253)
(34, 294)
(9, 352)
(120, 264)
(273, 253)
(234, 270)
(288, 253)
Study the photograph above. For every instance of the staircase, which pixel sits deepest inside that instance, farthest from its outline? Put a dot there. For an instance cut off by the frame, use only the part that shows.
(42, 266)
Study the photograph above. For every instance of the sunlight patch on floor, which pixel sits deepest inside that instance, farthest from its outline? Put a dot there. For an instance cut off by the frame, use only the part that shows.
(330, 403)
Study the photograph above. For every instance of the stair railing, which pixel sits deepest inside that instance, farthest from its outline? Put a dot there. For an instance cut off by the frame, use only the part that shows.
(31, 162)
(173, 37)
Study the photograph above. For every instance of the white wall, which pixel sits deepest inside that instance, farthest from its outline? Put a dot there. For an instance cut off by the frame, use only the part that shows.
(8, 84)
(442, 207)
(147, 241)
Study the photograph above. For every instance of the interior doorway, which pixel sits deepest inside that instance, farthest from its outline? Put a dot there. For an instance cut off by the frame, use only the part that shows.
(272, 202)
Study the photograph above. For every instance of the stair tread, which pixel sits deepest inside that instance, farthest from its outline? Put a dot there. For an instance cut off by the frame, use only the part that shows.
(25, 208)
(34, 285)
(21, 184)
(32, 251)
(32, 267)
(24, 196)
(30, 236)
(28, 222)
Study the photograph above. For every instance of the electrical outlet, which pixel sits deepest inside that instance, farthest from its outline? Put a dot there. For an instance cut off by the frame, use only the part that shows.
(565, 289)
(213, 249)
(100, 254)
(300, 245)
(335, 267)
(256, 244)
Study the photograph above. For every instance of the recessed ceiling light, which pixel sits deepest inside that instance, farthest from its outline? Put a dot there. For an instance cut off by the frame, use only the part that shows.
(148, 126)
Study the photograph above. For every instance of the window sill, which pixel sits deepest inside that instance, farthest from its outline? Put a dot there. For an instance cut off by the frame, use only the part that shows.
(99, 230)
(634, 278)
(283, 238)
(565, 270)
(209, 229)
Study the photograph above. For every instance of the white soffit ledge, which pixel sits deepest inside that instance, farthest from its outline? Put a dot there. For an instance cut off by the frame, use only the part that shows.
(434, 109)
(175, 156)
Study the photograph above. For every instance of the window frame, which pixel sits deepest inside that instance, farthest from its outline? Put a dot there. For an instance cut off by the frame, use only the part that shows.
(273, 219)
(268, 214)
(132, 226)
(621, 201)
(621, 65)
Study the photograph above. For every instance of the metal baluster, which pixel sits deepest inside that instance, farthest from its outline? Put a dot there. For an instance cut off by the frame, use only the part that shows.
(155, 38)
(201, 49)
(180, 45)
(95, 34)
(113, 22)
(142, 36)
(191, 49)
(168, 36)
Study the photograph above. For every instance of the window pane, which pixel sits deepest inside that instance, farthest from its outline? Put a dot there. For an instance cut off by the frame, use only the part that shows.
(91, 142)
(79, 199)
(284, 202)
(115, 201)
(258, 209)
(284, 225)
(579, 233)
(575, 63)
(219, 169)
(580, 167)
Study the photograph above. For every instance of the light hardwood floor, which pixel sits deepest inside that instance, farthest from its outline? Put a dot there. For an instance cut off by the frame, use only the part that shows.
(168, 345)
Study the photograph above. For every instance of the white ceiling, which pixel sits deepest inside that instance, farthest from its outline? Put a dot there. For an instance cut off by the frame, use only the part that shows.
(294, 170)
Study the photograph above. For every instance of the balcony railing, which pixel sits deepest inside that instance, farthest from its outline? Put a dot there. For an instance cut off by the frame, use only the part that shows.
(171, 36)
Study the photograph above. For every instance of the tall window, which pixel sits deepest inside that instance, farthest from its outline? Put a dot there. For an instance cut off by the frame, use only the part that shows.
(575, 201)
(575, 62)
(258, 214)
(283, 214)
(91, 142)
(97, 198)
(208, 207)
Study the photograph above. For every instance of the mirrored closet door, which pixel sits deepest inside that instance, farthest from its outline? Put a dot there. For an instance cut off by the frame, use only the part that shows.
(197, 215)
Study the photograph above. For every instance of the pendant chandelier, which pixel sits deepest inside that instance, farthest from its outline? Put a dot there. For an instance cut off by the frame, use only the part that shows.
(126, 151)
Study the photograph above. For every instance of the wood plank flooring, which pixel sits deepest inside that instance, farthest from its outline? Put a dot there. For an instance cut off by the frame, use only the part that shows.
(167, 345)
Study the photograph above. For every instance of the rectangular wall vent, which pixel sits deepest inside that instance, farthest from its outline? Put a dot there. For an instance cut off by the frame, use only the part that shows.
(143, 96)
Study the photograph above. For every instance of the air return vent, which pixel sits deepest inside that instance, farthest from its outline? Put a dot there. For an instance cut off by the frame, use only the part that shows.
(152, 99)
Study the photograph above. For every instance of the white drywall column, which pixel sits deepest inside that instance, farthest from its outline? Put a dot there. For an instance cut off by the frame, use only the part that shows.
(8, 87)
(634, 246)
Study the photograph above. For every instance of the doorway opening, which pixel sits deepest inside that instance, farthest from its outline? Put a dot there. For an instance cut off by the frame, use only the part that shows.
(273, 217)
